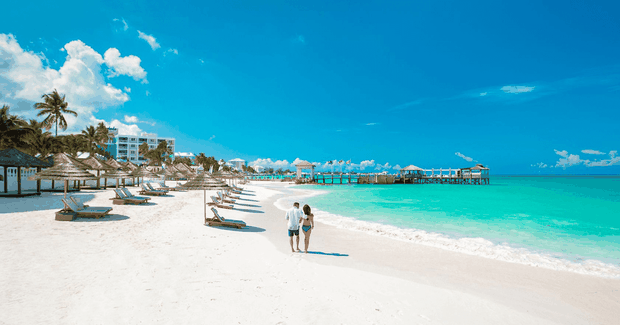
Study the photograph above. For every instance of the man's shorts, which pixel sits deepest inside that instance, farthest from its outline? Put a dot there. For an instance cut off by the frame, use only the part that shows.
(293, 232)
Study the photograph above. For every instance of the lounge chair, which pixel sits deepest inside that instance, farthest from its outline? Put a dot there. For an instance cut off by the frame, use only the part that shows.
(79, 203)
(122, 198)
(148, 191)
(219, 204)
(230, 196)
(223, 198)
(165, 189)
(129, 195)
(218, 220)
(96, 212)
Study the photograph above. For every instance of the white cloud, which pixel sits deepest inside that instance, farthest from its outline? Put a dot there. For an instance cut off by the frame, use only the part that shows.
(371, 124)
(127, 66)
(367, 163)
(201, 61)
(540, 165)
(562, 153)
(397, 167)
(483, 94)
(516, 89)
(127, 89)
(171, 51)
(592, 152)
(148, 93)
(384, 166)
(212, 137)
(24, 78)
(613, 160)
(125, 129)
(267, 163)
(149, 39)
(125, 26)
(470, 159)
(134, 119)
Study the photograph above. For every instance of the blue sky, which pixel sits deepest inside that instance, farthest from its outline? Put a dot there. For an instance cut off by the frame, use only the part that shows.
(516, 86)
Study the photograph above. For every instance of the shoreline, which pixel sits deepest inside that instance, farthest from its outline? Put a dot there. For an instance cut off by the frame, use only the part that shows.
(158, 263)
(475, 246)
(472, 274)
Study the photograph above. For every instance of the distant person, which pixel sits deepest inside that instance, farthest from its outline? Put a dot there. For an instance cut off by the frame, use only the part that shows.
(307, 225)
(294, 216)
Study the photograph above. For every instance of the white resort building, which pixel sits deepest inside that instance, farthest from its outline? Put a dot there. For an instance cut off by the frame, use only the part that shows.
(125, 147)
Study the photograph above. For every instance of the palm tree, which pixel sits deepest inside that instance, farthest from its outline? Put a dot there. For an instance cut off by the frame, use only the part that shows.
(54, 106)
(104, 135)
(72, 144)
(13, 129)
(39, 142)
(91, 138)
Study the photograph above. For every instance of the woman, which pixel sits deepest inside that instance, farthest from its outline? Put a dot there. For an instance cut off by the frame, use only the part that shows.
(308, 225)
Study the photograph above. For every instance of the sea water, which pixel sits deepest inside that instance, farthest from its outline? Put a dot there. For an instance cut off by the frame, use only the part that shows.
(563, 223)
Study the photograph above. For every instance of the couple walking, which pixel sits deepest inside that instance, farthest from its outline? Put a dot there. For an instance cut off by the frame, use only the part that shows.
(295, 217)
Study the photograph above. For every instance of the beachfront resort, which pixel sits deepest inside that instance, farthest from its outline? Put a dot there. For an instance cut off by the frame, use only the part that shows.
(317, 162)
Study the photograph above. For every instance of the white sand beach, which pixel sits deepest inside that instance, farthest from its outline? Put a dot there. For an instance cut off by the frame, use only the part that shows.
(159, 264)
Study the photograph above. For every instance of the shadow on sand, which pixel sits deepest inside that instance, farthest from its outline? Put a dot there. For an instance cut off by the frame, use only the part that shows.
(328, 254)
(45, 201)
(248, 205)
(246, 229)
(242, 199)
(109, 217)
(248, 210)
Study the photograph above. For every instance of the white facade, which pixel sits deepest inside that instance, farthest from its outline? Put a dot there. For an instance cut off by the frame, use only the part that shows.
(125, 147)
(237, 163)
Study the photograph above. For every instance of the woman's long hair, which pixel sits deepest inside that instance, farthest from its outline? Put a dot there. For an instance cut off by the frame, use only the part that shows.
(307, 210)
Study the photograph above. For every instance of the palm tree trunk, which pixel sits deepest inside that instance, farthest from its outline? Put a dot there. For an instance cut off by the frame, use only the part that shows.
(57, 126)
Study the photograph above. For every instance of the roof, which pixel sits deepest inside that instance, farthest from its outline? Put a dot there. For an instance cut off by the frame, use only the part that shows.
(412, 167)
(16, 158)
(95, 164)
(304, 163)
(477, 167)
(64, 171)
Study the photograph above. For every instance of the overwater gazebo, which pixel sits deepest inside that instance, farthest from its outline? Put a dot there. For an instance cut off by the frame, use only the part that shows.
(475, 175)
(14, 158)
(304, 165)
(412, 173)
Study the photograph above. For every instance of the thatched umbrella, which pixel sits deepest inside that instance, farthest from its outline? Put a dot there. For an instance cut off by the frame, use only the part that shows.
(15, 158)
(184, 168)
(204, 182)
(64, 171)
(129, 167)
(142, 172)
(62, 157)
(114, 164)
(224, 175)
(97, 165)
(117, 174)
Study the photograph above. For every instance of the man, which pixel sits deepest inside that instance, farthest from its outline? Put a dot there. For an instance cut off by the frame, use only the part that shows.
(294, 216)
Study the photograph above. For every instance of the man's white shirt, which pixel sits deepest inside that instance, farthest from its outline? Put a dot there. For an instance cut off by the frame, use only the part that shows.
(292, 215)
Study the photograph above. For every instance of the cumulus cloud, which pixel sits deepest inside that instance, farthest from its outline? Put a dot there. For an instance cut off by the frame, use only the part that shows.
(470, 159)
(397, 167)
(592, 152)
(569, 160)
(367, 163)
(268, 163)
(127, 89)
(149, 39)
(124, 129)
(516, 89)
(24, 78)
(212, 137)
(127, 66)
(383, 167)
(483, 94)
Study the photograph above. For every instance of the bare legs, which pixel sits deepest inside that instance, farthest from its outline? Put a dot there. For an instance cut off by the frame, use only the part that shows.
(293, 249)
(307, 239)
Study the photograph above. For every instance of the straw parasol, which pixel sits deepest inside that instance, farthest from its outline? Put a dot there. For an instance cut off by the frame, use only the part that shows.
(224, 175)
(64, 171)
(97, 165)
(15, 158)
(114, 164)
(117, 174)
(62, 157)
(204, 182)
(142, 172)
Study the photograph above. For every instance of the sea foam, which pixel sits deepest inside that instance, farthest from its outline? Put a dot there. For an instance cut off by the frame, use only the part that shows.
(472, 246)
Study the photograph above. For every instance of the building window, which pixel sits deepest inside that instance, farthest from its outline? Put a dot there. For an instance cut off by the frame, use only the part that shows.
(133, 140)
(122, 139)
(142, 140)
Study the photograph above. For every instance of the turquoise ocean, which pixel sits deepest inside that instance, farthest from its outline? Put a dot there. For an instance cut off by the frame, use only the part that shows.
(563, 223)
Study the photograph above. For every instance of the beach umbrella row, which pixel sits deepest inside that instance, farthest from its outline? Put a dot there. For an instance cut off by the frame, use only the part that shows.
(64, 171)
(204, 182)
